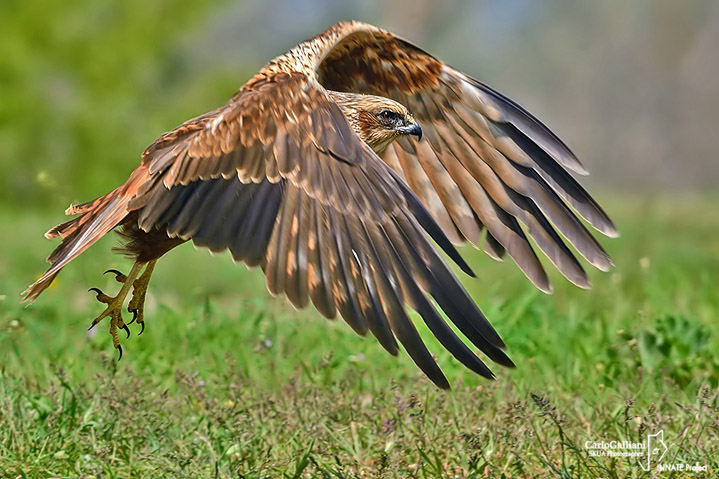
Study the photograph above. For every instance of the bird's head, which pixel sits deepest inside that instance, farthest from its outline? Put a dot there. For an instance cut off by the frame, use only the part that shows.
(377, 120)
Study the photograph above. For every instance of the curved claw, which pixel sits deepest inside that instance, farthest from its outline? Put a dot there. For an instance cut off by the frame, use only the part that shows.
(119, 276)
(134, 315)
(127, 330)
(143, 328)
(96, 290)
(119, 348)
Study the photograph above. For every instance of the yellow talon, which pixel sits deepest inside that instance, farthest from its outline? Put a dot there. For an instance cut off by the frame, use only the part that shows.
(114, 304)
(139, 291)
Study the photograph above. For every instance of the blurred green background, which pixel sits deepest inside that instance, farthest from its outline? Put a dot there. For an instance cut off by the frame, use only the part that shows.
(86, 85)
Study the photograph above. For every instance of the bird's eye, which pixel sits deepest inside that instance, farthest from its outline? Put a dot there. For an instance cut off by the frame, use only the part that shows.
(388, 115)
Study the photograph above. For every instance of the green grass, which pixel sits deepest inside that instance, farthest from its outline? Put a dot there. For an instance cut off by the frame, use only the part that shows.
(228, 382)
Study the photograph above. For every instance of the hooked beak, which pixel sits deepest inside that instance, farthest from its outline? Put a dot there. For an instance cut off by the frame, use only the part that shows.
(412, 129)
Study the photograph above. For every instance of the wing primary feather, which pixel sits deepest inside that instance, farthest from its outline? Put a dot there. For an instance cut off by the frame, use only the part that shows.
(390, 294)
(431, 227)
(493, 207)
(519, 247)
(345, 283)
(370, 303)
(569, 225)
(497, 168)
(563, 182)
(319, 259)
(514, 113)
(296, 281)
(419, 183)
(548, 239)
(358, 200)
(493, 248)
(276, 259)
(523, 208)
(440, 171)
(419, 302)
(451, 295)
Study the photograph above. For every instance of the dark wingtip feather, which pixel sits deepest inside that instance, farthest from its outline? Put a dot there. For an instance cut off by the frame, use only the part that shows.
(432, 228)
(500, 357)
(520, 118)
(580, 199)
(435, 232)
(439, 379)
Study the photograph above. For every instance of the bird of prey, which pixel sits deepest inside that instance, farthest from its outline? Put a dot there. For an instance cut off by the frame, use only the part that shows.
(311, 173)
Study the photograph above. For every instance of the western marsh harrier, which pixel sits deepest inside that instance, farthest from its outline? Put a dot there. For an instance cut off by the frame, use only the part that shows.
(310, 172)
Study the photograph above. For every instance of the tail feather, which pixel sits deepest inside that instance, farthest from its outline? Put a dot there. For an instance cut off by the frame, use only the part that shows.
(63, 229)
(97, 218)
(83, 208)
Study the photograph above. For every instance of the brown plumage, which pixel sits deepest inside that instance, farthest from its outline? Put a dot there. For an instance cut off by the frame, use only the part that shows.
(309, 173)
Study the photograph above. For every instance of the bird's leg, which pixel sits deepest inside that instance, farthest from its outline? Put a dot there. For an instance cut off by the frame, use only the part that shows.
(114, 304)
(139, 290)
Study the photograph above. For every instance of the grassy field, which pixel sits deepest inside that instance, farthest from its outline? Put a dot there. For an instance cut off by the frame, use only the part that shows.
(229, 382)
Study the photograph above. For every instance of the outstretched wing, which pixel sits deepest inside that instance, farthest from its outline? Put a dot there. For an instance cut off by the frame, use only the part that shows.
(278, 177)
(485, 163)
